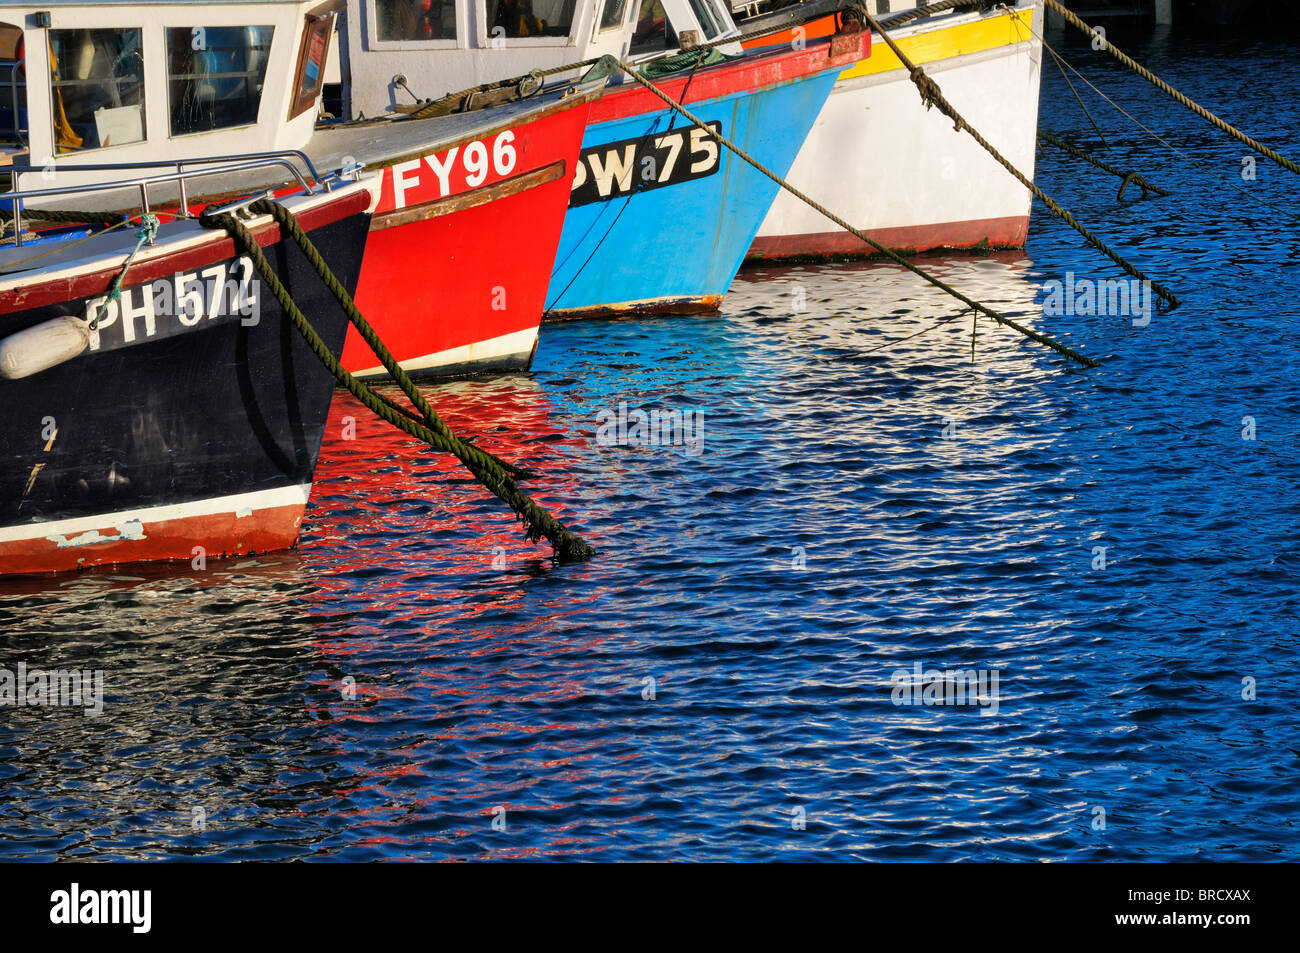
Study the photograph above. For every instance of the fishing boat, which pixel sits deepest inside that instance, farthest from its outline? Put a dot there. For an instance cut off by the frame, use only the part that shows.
(472, 204)
(924, 186)
(469, 219)
(660, 214)
(158, 404)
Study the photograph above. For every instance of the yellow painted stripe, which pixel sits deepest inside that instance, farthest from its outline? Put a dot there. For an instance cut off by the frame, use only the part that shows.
(946, 43)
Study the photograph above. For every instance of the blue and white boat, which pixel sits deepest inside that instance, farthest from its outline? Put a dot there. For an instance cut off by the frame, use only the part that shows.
(660, 214)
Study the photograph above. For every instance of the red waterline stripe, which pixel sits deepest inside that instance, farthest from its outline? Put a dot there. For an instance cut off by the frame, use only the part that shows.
(997, 232)
(220, 534)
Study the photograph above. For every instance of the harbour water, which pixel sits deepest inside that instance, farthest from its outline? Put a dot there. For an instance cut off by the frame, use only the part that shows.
(1118, 545)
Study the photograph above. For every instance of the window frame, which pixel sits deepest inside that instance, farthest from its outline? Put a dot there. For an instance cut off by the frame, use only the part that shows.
(669, 26)
(257, 120)
(628, 5)
(10, 83)
(47, 37)
(373, 42)
(484, 35)
(323, 22)
(716, 11)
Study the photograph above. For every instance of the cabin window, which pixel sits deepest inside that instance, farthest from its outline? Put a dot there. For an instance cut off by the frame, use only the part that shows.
(309, 74)
(710, 19)
(215, 75)
(611, 18)
(98, 87)
(652, 33)
(415, 19)
(530, 18)
(13, 87)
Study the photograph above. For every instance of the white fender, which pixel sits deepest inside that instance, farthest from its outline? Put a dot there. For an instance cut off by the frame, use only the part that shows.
(41, 347)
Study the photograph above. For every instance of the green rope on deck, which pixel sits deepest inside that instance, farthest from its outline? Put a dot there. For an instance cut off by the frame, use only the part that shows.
(73, 218)
(50, 216)
(487, 469)
(606, 65)
(148, 230)
(1174, 94)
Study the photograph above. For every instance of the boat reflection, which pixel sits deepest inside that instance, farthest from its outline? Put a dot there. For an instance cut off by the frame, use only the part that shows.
(383, 498)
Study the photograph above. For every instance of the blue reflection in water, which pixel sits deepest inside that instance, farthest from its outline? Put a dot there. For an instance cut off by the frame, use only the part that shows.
(416, 671)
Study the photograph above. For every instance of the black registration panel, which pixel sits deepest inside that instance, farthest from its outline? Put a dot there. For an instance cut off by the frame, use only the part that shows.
(660, 159)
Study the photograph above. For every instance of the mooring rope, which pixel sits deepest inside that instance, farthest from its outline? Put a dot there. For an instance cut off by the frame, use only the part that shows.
(37, 215)
(486, 468)
(72, 218)
(932, 96)
(426, 414)
(637, 188)
(148, 231)
(915, 334)
(1129, 177)
(890, 253)
(1079, 99)
(918, 13)
(518, 472)
(1062, 61)
(1172, 93)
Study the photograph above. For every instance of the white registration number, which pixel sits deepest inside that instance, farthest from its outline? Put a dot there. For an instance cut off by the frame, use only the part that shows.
(169, 306)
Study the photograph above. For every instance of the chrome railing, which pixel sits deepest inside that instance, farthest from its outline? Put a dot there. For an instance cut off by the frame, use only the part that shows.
(13, 89)
(224, 165)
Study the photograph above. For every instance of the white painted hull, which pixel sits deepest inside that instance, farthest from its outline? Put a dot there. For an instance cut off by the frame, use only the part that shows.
(879, 159)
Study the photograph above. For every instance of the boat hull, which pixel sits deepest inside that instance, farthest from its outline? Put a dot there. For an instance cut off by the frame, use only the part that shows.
(899, 172)
(661, 216)
(175, 436)
(455, 274)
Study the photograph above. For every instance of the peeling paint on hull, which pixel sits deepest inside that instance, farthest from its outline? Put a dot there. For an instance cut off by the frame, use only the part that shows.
(182, 439)
(221, 535)
(709, 304)
(984, 235)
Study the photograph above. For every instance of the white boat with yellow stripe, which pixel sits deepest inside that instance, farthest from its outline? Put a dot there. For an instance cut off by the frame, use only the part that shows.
(896, 170)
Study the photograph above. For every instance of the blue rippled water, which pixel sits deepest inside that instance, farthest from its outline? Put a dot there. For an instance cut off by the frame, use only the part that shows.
(716, 684)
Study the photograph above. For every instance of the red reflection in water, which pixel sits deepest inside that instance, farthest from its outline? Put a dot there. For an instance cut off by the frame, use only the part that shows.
(379, 496)
(371, 475)
(383, 499)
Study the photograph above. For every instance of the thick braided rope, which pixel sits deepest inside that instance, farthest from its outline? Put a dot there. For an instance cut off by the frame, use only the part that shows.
(537, 522)
(1131, 176)
(931, 95)
(75, 218)
(1174, 94)
(518, 472)
(890, 253)
(427, 415)
(918, 13)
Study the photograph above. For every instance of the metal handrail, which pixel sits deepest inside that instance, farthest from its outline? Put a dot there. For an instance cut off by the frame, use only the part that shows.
(260, 161)
(151, 163)
(13, 88)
